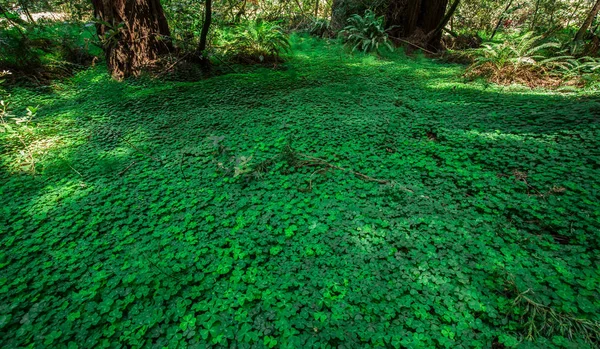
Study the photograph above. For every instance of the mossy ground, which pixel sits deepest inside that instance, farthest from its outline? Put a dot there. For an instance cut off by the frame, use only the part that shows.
(137, 233)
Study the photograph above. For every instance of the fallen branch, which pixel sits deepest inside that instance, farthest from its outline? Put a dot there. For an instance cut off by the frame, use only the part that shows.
(314, 161)
(142, 152)
(413, 44)
(540, 319)
(127, 168)
(166, 70)
(358, 174)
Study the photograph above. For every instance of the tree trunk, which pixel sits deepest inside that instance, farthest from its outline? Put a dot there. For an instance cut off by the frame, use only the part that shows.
(535, 14)
(204, 32)
(134, 33)
(588, 21)
(26, 11)
(15, 25)
(415, 19)
(437, 32)
(500, 19)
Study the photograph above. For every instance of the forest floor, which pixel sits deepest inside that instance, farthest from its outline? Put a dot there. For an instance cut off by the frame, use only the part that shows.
(340, 201)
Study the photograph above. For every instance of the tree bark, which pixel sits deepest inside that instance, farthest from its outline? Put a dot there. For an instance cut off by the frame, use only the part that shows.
(435, 35)
(134, 33)
(588, 21)
(415, 19)
(535, 14)
(26, 11)
(205, 28)
(500, 19)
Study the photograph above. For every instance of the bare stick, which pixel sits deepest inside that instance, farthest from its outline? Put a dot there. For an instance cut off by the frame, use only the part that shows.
(413, 44)
(126, 168)
(142, 152)
(363, 176)
(172, 65)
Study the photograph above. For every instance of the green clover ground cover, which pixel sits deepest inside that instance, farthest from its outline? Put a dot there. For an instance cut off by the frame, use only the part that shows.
(181, 215)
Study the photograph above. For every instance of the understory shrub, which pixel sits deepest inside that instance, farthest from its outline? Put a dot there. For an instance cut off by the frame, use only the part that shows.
(255, 42)
(530, 61)
(39, 53)
(366, 33)
(321, 28)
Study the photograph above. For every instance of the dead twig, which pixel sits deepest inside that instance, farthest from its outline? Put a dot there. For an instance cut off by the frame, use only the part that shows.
(127, 168)
(166, 70)
(413, 44)
(143, 152)
(314, 161)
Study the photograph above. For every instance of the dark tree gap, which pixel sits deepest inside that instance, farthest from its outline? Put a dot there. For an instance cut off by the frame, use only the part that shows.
(134, 33)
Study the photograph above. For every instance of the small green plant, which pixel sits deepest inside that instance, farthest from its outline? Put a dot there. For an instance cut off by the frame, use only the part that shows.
(583, 68)
(366, 33)
(527, 51)
(256, 42)
(530, 61)
(40, 53)
(321, 28)
(19, 130)
(541, 320)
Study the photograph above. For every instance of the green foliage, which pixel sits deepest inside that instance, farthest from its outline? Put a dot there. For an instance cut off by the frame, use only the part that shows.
(539, 16)
(321, 28)
(185, 19)
(523, 51)
(366, 33)
(540, 320)
(255, 41)
(529, 59)
(132, 234)
(584, 68)
(42, 52)
(17, 132)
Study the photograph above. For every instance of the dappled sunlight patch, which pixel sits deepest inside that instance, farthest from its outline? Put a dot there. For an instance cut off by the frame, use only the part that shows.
(492, 136)
(55, 195)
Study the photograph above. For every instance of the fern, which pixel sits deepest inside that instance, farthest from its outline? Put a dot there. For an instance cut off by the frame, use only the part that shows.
(366, 33)
(257, 40)
(527, 57)
(321, 28)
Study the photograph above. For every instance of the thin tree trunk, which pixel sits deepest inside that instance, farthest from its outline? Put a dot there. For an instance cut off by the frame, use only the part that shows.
(535, 13)
(240, 13)
(500, 19)
(444, 21)
(205, 28)
(137, 32)
(5, 13)
(27, 13)
(573, 14)
(316, 8)
(588, 21)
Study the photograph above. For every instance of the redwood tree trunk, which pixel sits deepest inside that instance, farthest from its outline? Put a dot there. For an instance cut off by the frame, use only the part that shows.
(415, 19)
(588, 21)
(134, 33)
